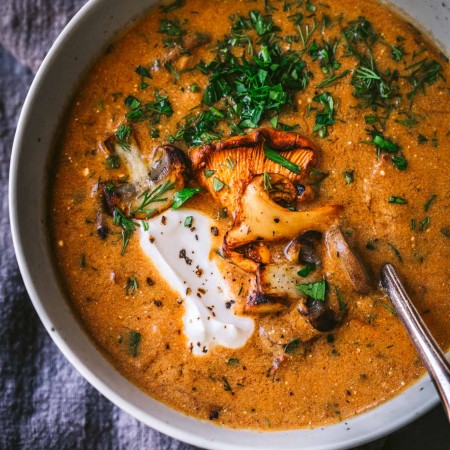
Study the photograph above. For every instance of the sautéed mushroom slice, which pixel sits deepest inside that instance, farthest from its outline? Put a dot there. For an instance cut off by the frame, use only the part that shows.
(260, 178)
(189, 42)
(153, 180)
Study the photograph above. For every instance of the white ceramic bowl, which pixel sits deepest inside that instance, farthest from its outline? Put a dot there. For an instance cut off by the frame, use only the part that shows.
(70, 57)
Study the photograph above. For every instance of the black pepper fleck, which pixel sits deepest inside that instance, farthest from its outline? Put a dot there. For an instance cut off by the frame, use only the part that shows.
(213, 415)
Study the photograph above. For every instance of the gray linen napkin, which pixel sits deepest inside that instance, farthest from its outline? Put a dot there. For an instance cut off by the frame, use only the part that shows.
(44, 402)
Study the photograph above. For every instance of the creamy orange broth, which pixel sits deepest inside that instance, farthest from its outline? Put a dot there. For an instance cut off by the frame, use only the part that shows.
(362, 363)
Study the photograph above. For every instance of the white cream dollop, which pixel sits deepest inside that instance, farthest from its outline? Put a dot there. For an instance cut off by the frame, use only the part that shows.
(182, 256)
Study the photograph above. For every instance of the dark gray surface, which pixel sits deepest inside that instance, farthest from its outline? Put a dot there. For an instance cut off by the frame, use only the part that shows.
(44, 402)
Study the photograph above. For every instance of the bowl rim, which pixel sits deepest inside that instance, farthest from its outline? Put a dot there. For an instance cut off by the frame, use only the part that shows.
(70, 354)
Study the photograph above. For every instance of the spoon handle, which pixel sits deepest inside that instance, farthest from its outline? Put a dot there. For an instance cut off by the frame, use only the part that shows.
(432, 356)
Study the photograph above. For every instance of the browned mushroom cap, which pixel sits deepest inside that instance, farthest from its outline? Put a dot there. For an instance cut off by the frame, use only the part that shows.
(166, 165)
(235, 161)
(340, 251)
(190, 42)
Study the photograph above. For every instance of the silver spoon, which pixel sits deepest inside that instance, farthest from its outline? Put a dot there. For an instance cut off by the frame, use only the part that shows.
(431, 355)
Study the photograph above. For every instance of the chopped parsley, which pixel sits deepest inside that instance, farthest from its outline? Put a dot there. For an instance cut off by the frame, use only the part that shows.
(398, 200)
(151, 111)
(131, 286)
(134, 340)
(325, 54)
(218, 185)
(324, 118)
(233, 362)
(174, 31)
(244, 91)
(429, 202)
(209, 173)
(424, 224)
(183, 196)
(310, 267)
(314, 290)
(349, 176)
(397, 52)
(386, 145)
(143, 72)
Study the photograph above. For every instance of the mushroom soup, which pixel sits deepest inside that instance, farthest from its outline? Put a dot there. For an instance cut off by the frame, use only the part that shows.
(226, 191)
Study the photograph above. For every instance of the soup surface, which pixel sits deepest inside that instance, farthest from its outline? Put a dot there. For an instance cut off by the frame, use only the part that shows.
(236, 278)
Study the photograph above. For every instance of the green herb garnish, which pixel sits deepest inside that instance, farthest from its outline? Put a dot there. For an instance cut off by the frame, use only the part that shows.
(332, 80)
(143, 72)
(209, 173)
(149, 111)
(233, 362)
(274, 156)
(123, 134)
(325, 54)
(183, 196)
(349, 176)
(314, 290)
(360, 31)
(389, 308)
(429, 202)
(423, 73)
(131, 286)
(128, 227)
(173, 29)
(154, 196)
(134, 340)
(306, 270)
(397, 52)
(188, 221)
(398, 200)
(112, 162)
(324, 118)
(218, 185)
(424, 224)
(292, 346)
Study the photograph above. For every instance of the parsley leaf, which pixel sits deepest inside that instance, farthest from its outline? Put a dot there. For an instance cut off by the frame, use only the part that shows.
(306, 270)
(183, 196)
(314, 290)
